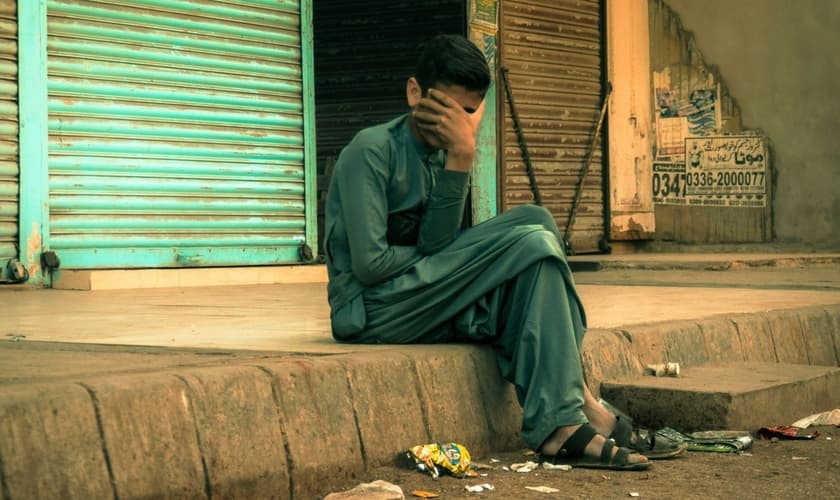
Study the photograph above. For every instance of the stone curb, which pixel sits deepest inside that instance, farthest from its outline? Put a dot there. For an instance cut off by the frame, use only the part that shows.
(582, 263)
(300, 426)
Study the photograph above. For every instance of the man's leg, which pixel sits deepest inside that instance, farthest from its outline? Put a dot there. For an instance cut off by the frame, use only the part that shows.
(539, 331)
(599, 417)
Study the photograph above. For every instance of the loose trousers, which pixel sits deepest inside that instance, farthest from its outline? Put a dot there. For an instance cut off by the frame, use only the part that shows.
(505, 283)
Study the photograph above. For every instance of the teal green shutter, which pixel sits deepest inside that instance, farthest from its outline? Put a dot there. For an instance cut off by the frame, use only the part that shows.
(176, 132)
(8, 135)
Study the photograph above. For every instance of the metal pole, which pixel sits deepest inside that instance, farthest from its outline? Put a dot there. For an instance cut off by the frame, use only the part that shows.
(523, 147)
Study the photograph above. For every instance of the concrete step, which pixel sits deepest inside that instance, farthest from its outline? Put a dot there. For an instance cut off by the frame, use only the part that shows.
(739, 395)
(703, 262)
(124, 279)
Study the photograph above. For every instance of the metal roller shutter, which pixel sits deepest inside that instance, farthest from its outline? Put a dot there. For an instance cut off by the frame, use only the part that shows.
(8, 134)
(175, 132)
(364, 52)
(552, 49)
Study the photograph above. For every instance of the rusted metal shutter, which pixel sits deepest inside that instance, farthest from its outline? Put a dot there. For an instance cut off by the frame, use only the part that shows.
(364, 52)
(8, 134)
(175, 132)
(552, 49)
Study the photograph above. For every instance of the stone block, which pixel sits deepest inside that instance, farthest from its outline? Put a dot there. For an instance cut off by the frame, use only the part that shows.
(756, 338)
(734, 396)
(787, 336)
(834, 316)
(387, 404)
(239, 431)
(720, 337)
(451, 397)
(150, 436)
(320, 428)
(50, 446)
(504, 415)
(608, 354)
(672, 341)
(818, 334)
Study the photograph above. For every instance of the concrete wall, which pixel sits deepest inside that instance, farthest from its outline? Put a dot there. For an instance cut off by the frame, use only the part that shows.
(737, 214)
(781, 60)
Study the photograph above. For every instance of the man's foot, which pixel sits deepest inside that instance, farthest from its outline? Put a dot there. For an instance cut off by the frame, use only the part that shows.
(599, 417)
(582, 446)
(621, 431)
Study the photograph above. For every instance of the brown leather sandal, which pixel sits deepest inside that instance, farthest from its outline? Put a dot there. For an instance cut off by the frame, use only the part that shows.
(572, 453)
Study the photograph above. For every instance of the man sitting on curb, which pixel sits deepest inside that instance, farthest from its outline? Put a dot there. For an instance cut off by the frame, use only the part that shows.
(401, 270)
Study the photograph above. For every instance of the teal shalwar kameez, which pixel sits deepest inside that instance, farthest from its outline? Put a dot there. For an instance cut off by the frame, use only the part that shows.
(401, 270)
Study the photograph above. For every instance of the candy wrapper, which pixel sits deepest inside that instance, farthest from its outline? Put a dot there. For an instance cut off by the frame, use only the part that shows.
(451, 458)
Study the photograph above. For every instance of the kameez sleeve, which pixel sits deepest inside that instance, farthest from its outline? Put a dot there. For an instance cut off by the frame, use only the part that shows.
(444, 211)
(364, 206)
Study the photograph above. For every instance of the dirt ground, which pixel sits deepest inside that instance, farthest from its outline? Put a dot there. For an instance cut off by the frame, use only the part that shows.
(788, 469)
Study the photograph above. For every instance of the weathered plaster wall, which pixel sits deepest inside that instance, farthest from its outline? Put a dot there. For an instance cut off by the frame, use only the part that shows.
(781, 60)
(691, 93)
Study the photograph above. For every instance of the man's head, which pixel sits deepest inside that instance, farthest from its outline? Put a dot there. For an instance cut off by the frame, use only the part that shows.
(452, 60)
(453, 65)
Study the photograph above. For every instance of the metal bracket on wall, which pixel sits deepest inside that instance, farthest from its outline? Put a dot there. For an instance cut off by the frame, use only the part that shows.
(520, 136)
(567, 241)
(50, 262)
(17, 271)
(305, 253)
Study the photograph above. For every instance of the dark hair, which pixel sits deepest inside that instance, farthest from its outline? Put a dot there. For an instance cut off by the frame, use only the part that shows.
(452, 60)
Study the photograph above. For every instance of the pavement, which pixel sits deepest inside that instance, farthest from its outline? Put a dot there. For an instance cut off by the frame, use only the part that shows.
(241, 391)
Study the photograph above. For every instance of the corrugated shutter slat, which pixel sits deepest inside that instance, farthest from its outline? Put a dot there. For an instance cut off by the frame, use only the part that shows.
(9, 174)
(176, 127)
(552, 49)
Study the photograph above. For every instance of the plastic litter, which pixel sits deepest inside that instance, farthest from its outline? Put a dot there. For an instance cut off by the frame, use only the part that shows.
(831, 417)
(551, 466)
(424, 494)
(664, 370)
(380, 490)
(711, 441)
(785, 432)
(634, 494)
(528, 466)
(479, 488)
(543, 489)
(452, 458)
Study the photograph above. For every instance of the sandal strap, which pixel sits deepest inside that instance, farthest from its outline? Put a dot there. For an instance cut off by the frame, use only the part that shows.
(606, 452)
(621, 458)
(576, 443)
(622, 434)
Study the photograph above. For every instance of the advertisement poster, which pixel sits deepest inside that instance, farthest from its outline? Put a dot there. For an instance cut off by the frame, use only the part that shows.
(484, 13)
(722, 171)
(670, 137)
(683, 109)
(669, 183)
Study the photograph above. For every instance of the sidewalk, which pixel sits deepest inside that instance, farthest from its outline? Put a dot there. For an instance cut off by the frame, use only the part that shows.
(225, 391)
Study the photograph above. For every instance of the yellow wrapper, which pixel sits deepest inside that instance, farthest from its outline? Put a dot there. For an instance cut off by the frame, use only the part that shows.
(451, 457)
